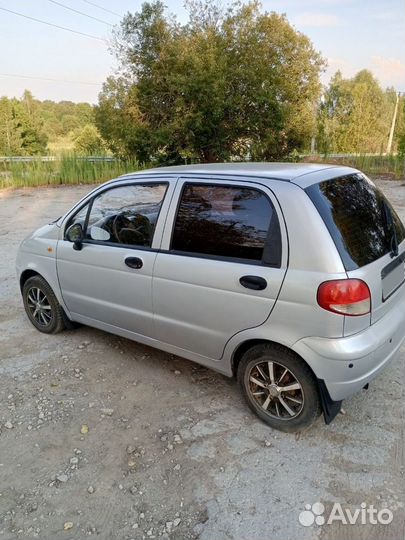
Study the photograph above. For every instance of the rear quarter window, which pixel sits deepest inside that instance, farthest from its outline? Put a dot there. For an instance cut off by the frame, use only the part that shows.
(355, 212)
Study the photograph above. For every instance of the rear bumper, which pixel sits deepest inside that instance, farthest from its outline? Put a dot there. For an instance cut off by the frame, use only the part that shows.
(347, 364)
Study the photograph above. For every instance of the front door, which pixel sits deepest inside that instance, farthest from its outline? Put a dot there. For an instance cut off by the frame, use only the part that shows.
(221, 265)
(110, 279)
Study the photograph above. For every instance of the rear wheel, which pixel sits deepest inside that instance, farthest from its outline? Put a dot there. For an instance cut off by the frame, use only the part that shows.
(279, 387)
(42, 306)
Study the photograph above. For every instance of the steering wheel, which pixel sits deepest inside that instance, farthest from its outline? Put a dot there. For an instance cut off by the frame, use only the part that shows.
(122, 224)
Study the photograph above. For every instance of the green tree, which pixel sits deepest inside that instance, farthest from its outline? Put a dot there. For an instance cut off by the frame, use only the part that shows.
(10, 131)
(88, 141)
(355, 115)
(232, 83)
(21, 129)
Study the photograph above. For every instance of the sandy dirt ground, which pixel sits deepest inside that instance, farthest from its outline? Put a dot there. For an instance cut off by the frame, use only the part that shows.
(171, 449)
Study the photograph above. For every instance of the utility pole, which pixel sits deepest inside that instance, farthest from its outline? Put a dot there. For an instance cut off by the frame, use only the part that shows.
(394, 119)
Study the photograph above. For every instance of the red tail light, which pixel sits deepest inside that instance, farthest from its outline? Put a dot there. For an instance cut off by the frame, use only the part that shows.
(345, 296)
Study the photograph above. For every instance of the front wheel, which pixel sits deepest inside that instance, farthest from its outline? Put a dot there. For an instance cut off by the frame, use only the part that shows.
(279, 387)
(42, 306)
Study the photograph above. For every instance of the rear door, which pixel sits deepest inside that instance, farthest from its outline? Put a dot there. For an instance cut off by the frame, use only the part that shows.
(370, 238)
(221, 266)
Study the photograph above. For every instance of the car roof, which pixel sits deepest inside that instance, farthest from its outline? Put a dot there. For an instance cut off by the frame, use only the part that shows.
(287, 172)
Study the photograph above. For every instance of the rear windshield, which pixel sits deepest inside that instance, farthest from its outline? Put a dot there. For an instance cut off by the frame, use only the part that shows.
(361, 221)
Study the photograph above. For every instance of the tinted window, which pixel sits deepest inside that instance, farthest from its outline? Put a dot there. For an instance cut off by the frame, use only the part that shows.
(126, 215)
(359, 218)
(226, 222)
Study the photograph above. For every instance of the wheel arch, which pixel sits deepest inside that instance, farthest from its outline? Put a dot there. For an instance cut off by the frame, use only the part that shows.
(26, 275)
(243, 347)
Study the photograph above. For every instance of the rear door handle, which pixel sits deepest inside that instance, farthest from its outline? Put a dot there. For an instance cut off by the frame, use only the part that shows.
(256, 283)
(134, 262)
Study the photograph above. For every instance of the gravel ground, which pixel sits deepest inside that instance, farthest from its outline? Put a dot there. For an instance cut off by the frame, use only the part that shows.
(100, 436)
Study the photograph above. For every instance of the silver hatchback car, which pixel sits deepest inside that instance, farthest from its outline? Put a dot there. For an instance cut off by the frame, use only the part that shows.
(288, 276)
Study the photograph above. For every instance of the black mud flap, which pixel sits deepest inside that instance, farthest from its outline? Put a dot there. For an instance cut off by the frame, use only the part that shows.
(330, 408)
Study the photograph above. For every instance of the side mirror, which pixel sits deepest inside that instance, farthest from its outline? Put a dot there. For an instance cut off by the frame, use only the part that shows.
(74, 234)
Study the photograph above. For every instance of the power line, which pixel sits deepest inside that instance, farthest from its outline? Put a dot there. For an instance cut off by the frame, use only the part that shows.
(79, 12)
(48, 79)
(100, 7)
(54, 25)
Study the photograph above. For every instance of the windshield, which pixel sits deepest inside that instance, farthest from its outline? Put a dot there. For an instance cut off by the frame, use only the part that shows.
(361, 221)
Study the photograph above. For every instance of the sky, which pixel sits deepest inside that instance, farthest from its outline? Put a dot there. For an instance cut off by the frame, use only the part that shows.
(350, 34)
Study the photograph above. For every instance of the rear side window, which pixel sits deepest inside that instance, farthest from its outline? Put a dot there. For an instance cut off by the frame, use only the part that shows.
(230, 222)
(361, 221)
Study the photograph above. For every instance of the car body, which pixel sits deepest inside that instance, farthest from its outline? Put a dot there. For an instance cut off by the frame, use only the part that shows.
(210, 261)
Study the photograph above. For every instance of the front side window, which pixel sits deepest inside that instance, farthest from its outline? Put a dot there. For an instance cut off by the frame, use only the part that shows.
(126, 215)
(225, 221)
(80, 217)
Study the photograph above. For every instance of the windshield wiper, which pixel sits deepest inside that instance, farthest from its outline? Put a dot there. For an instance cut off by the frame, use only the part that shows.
(389, 220)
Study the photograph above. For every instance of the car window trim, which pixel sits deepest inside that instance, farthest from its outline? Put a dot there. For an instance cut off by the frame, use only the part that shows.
(90, 203)
(181, 253)
(222, 258)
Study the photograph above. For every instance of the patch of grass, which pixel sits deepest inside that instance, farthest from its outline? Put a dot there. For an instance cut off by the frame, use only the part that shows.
(66, 169)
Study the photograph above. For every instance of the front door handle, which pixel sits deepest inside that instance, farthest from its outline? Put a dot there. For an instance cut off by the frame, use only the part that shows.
(256, 283)
(134, 262)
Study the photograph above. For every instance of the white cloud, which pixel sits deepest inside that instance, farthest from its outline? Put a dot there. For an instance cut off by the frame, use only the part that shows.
(390, 71)
(337, 64)
(316, 19)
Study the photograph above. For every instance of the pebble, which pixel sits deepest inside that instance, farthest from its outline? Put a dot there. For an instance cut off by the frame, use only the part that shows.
(177, 522)
(267, 443)
(8, 425)
(74, 461)
(178, 439)
(84, 429)
(177, 372)
(68, 525)
(130, 449)
(62, 478)
(90, 490)
(107, 412)
(177, 467)
(32, 507)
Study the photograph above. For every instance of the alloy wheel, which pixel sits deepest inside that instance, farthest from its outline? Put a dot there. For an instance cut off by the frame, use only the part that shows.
(39, 306)
(276, 390)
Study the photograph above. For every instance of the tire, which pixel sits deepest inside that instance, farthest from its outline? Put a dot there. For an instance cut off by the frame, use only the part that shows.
(50, 317)
(286, 410)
